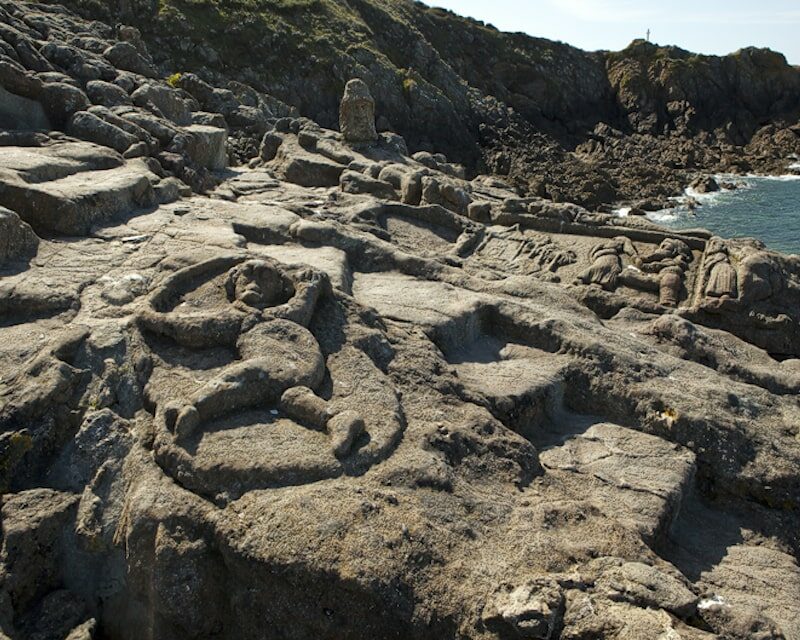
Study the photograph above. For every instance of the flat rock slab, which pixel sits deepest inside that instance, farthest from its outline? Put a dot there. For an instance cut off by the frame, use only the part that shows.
(522, 384)
(405, 298)
(59, 160)
(637, 478)
(742, 575)
(295, 164)
(502, 367)
(511, 371)
(326, 259)
(74, 204)
(252, 182)
(255, 450)
(426, 238)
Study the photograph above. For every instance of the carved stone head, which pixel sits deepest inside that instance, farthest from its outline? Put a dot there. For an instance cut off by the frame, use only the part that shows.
(716, 245)
(258, 284)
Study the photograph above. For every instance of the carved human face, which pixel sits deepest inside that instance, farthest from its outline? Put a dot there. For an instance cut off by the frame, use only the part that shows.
(363, 110)
(668, 247)
(716, 245)
(258, 285)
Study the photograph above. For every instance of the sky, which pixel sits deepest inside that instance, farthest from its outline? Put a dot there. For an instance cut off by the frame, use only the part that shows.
(702, 26)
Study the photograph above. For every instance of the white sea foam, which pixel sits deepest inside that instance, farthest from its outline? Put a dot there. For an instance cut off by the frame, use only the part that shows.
(702, 198)
(682, 210)
(664, 215)
(733, 212)
(714, 602)
(740, 181)
(742, 184)
(788, 177)
(622, 212)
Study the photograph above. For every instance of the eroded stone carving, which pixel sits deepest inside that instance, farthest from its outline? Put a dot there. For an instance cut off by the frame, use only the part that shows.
(357, 113)
(670, 253)
(669, 288)
(607, 262)
(260, 311)
(433, 439)
(670, 261)
(661, 272)
(265, 326)
(524, 252)
(721, 278)
(761, 278)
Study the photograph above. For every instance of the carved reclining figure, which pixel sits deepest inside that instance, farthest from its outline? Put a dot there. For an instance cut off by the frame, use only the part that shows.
(670, 253)
(607, 262)
(265, 322)
(670, 261)
(527, 252)
(661, 271)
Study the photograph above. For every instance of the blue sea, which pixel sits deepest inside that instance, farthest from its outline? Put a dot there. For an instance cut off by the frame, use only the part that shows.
(766, 208)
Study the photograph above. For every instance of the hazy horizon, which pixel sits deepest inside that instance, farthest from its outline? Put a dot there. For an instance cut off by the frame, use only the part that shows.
(717, 28)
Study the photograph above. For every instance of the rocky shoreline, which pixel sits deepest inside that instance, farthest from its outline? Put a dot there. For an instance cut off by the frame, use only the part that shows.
(571, 126)
(268, 375)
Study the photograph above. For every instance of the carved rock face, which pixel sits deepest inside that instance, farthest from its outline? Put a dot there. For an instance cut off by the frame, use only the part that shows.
(357, 113)
(258, 285)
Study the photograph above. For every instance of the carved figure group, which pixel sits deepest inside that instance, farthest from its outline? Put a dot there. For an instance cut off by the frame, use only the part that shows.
(670, 261)
(662, 271)
(526, 252)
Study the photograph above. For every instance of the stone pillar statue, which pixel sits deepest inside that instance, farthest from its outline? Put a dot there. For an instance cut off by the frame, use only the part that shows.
(357, 113)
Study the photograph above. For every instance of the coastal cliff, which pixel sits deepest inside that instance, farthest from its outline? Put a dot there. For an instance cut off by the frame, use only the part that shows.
(562, 123)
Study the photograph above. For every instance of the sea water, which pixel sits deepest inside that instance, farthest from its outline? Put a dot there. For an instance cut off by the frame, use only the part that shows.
(766, 208)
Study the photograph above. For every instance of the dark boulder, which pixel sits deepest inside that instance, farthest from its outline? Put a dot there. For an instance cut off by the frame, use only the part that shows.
(124, 55)
(106, 94)
(89, 127)
(61, 101)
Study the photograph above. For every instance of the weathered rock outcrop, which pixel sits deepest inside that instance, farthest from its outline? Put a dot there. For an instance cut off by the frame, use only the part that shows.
(57, 71)
(562, 123)
(349, 392)
(17, 239)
